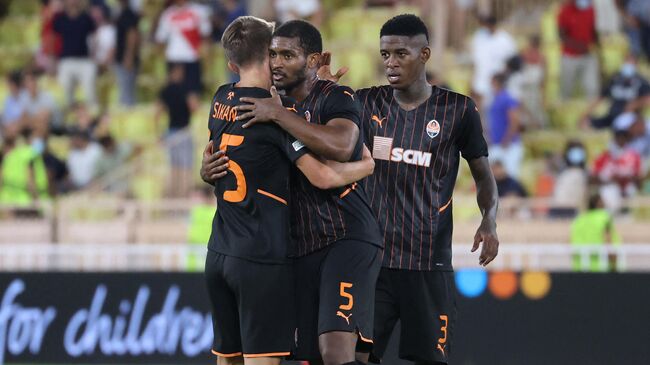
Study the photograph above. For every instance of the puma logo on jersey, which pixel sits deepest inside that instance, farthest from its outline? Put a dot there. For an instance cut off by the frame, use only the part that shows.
(230, 95)
(347, 318)
(442, 349)
(349, 94)
(378, 121)
(382, 149)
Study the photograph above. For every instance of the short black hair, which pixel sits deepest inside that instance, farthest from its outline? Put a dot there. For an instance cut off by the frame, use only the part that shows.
(310, 38)
(405, 25)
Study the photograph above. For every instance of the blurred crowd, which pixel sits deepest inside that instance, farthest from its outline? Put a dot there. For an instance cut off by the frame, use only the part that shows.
(89, 46)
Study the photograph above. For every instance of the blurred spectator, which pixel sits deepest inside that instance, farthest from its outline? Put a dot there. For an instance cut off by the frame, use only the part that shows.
(12, 109)
(103, 50)
(639, 129)
(203, 207)
(628, 91)
(310, 10)
(504, 126)
(75, 25)
(617, 171)
(127, 52)
(593, 229)
(506, 185)
(23, 178)
(57, 173)
(636, 20)
(179, 102)
(571, 184)
(577, 27)
(113, 156)
(514, 75)
(39, 107)
(82, 159)
(182, 27)
(51, 42)
(491, 48)
(223, 13)
(532, 84)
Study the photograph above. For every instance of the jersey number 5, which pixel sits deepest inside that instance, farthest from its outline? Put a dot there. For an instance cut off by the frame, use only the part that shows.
(237, 195)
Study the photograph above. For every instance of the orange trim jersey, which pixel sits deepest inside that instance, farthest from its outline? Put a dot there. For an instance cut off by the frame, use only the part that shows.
(252, 218)
(417, 156)
(322, 217)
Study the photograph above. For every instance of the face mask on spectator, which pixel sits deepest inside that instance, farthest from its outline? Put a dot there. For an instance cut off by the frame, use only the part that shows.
(576, 156)
(583, 4)
(38, 145)
(628, 70)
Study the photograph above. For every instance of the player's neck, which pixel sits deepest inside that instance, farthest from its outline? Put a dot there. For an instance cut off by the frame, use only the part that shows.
(414, 95)
(255, 77)
(300, 91)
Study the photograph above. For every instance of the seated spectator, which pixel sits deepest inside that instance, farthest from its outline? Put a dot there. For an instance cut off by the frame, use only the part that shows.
(639, 129)
(85, 120)
(628, 91)
(617, 171)
(179, 102)
(504, 126)
(594, 228)
(114, 155)
(506, 185)
(57, 173)
(571, 184)
(40, 108)
(82, 159)
(23, 178)
(12, 110)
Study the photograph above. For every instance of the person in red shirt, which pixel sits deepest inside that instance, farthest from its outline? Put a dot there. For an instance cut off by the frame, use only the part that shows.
(577, 27)
(617, 171)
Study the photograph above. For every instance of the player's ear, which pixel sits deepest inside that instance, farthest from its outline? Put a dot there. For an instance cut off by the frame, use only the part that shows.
(425, 54)
(313, 60)
(232, 67)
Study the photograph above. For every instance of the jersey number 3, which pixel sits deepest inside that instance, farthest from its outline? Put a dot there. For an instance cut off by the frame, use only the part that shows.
(237, 195)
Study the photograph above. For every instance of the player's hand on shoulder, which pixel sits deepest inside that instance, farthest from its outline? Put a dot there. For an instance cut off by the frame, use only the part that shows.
(324, 70)
(261, 110)
(487, 234)
(214, 165)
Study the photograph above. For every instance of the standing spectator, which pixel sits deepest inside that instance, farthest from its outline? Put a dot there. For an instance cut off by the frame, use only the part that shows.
(179, 102)
(570, 190)
(504, 125)
(127, 54)
(577, 27)
(594, 228)
(310, 10)
(103, 50)
(506, 185)
(628, 91)
(51, 42)
(533, 74)
(636, 20)
(39, 107)
(491, 49)
(82, 159)
(75, 65)
(617, 171)
(182, 27)
(12, 109)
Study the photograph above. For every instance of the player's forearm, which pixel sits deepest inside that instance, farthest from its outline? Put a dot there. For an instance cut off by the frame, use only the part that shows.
(349, 172)
(487, 195)
(324, 140)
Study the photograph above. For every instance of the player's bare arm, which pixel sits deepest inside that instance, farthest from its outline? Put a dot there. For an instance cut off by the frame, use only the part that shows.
(214, 165)
(325, 174)
(488, 201)
(334, 141)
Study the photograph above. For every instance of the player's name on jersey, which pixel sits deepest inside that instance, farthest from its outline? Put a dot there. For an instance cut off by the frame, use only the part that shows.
(383, 150)
(224, 112)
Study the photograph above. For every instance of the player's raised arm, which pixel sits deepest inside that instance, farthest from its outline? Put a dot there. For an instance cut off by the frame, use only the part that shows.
(334, 141)
(332, 174)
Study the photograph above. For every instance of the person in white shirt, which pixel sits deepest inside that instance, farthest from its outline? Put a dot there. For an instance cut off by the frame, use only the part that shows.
(82, 159)
(182, 28)
(309, 10)
(491, 48)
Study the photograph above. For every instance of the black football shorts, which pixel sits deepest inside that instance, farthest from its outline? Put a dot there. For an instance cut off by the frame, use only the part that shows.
(424, 302)
(335, 291)
(253, 306)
